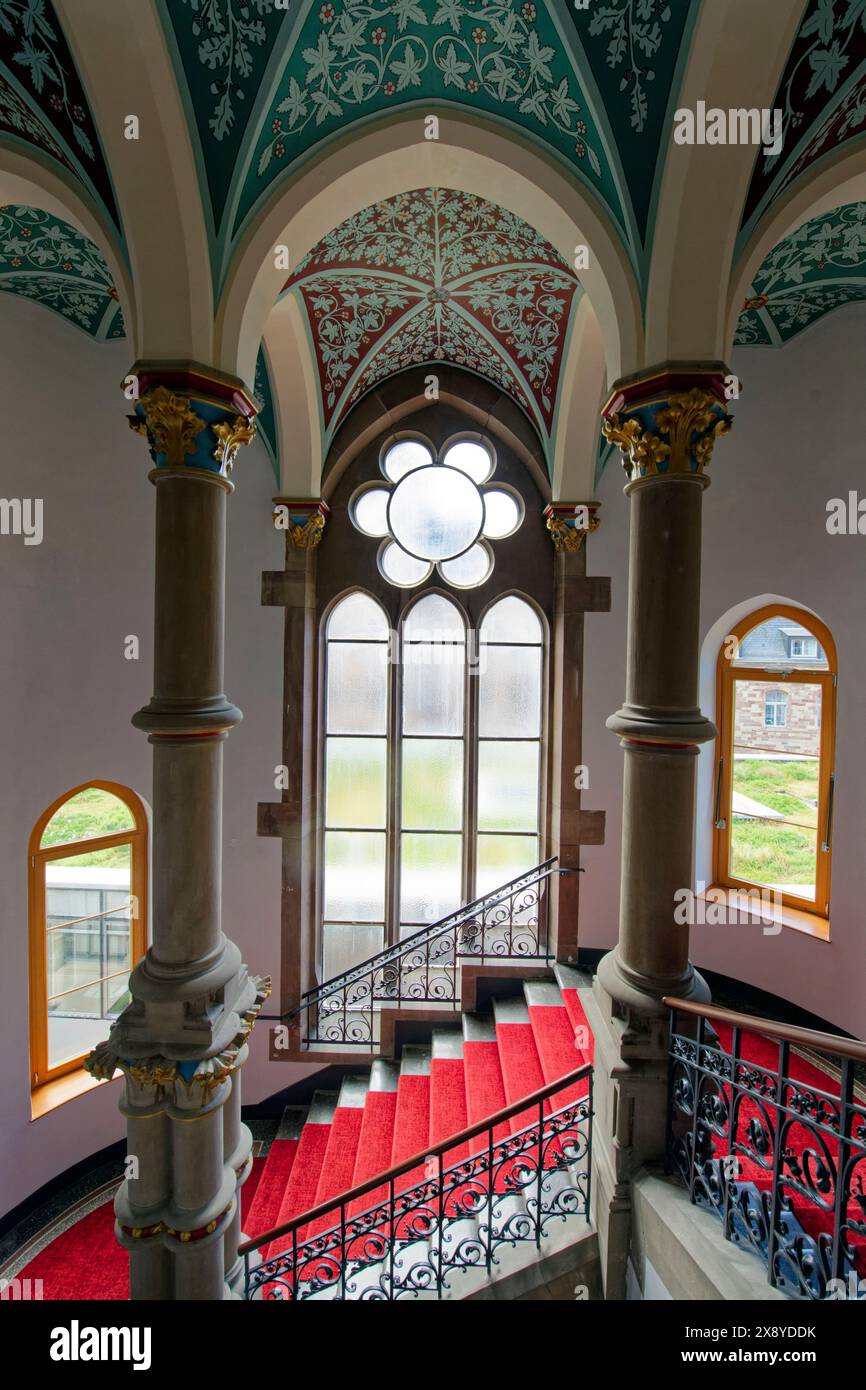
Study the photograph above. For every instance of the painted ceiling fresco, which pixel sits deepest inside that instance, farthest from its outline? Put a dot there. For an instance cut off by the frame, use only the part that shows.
(822, 97)
(437, 276)
(42, 101)
(818, 268)
(44, 258)
(265, 87)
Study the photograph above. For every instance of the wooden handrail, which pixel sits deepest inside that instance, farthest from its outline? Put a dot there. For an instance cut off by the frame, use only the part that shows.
(452, 1142)
(787, 1032)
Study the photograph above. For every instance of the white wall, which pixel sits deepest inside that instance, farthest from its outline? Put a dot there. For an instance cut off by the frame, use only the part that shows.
(797, 441)
(67, 693)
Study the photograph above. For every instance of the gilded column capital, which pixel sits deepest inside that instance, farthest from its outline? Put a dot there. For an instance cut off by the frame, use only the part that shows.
(569, 524)
(666, 423)
(193, 419)
(303, 521)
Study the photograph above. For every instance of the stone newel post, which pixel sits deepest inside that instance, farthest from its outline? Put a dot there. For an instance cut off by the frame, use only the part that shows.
(181, 1041)
(666, 424)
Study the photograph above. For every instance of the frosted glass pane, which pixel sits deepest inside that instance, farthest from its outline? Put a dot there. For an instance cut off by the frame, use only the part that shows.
(433, 686)
(358, 616)
(357, 699)
(430, 877)
(436, 513)
(344, 946)
(508, 786)
(511, 620)
(403, 456)
(402, 569)
(355, 782)
(370, 511)
(432, 784)
(355, 876)
(434, 619)
(509, 696)
(471, 458)
(469, 570)
(502, 514)
(501, 858)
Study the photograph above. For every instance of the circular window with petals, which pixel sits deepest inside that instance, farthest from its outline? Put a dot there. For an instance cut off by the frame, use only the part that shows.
(437, 512)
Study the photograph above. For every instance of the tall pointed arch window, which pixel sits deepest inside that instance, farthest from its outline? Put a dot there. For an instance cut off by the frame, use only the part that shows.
(432, 765)
(775, 776)
(88, 921)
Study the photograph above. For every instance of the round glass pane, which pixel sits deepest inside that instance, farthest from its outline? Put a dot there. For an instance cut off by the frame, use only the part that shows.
(403, 456)
(436, 513)
(469, 569)
(370, 511)
(471, 458)
(403, 570)
(501, 514)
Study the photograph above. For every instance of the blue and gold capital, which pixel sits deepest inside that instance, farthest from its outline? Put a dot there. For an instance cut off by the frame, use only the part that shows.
(666, 423)
(193, 419)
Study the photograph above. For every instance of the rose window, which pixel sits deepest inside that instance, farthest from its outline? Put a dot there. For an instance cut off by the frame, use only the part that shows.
(437, 512)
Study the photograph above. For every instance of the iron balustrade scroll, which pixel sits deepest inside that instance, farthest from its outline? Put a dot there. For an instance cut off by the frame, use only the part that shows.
(408, 1232)
(509, 923)
(768, 1133)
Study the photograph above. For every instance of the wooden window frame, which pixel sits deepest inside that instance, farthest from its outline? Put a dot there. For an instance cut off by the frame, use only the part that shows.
(40, 1073)
(726, 677)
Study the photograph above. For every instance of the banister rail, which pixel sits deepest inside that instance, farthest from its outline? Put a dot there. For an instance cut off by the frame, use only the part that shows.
(426, 1226)
(788, 1032)
(454, 1141)
(767, 1131)
(510, 923)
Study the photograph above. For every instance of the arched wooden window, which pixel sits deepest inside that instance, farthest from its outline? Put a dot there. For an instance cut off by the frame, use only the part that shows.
(88, 921)
(774, 777)
(432, 765)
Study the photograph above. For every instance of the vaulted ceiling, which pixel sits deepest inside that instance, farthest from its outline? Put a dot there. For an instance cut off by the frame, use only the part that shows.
(437, 276)
(593, 88)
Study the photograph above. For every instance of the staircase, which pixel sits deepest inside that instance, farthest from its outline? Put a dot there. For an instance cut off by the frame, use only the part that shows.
(491, 1148)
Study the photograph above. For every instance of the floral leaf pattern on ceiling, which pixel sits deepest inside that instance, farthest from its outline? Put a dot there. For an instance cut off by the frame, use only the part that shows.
(822, 96)
(353, 58)
(45, 259)
(55, 116)
(632, 48)
(437, 276)
(819, 267)
(225, 46)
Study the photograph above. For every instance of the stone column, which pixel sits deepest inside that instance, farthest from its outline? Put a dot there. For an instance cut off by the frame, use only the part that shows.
(575, 594)
(293, 818)
(180, 1042)
(665, 423)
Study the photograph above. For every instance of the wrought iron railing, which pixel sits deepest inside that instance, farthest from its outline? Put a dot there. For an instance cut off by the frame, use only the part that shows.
(767, 1129)
(442, 1215)
(510, 923)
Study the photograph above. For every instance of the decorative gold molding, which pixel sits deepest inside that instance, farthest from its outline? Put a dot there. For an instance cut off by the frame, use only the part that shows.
(683, 416)
(304, 535)
(570, 538)
(308, 536)
(169, 423)
(163, 1073)
(231, 435)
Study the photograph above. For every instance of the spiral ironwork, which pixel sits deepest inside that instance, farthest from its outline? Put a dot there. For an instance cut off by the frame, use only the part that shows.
(509, 923)
(782, 1164)
(457, 1213)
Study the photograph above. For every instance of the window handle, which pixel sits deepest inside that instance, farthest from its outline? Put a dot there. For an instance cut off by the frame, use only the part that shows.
(828, 834)
(720, 822)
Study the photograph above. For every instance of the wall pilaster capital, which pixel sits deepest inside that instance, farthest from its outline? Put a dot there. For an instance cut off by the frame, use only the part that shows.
(569, 524)
(194, 419)
(666, 422)
(302, 521)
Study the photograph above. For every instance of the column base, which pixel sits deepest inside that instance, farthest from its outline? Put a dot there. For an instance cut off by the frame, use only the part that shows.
(643, 994)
